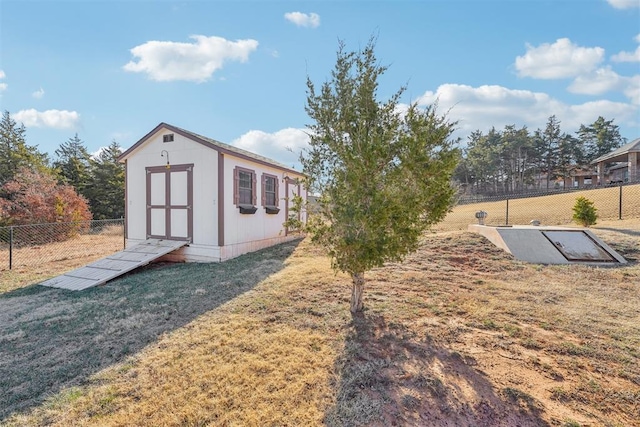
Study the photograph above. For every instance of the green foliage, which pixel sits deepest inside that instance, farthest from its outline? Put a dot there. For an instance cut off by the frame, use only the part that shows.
(105, 189)
(383, 175)
(511, 159)
(600, 137)
(73, 163)
(294, 223)
(14, 151)
(584, 212)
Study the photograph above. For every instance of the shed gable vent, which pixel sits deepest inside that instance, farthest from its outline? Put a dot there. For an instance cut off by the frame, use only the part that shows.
(167, 138)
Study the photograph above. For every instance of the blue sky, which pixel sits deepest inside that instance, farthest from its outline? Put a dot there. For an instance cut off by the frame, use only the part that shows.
(236, 71)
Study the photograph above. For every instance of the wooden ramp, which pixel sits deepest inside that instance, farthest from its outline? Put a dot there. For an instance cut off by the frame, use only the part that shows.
(105, 269)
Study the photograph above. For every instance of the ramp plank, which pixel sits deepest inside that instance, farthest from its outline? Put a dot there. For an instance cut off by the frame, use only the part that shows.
(108, 268)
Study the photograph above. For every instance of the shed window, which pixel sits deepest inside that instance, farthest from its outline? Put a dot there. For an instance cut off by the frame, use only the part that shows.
(167, 138)
(244, 189)
(270, 193)
(269, 190)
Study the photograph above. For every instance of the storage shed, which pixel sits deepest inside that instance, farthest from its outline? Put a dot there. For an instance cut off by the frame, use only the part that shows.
(222, 200)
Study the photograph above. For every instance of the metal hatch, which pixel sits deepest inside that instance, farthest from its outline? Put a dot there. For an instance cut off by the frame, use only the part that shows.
(578, 246)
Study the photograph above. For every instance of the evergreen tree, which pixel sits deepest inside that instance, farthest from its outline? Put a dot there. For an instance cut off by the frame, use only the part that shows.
(106, 184)
(600, 138)
(14, 151)
(383, 176)
(73, 164)
(547, 147)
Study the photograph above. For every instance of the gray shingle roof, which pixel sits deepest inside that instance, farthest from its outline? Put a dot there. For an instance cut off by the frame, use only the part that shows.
(214, 144)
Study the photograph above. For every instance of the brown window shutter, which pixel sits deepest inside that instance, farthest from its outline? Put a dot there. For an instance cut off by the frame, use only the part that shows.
(277, 184)
(236, 186)
(263, 187)
(254, 189)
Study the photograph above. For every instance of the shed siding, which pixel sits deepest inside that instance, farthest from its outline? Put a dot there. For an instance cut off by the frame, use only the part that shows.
(260, 226)
(205, 169)
(240, 233)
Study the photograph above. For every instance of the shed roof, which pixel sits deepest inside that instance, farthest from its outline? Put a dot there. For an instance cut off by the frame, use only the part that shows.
(211, 143)
(620, 154)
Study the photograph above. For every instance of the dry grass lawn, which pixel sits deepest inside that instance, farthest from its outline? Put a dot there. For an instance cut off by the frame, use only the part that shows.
(550, 210)
(459, 334)
(37, 263)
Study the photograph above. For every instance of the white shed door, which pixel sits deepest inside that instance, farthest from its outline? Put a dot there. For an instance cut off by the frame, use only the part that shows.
(170, 202)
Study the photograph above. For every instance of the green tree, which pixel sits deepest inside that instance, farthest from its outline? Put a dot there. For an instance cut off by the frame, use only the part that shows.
(73, 164)
(584, 212)
(383, 176)
(106, 184)
(14, 151)
(570, 155)
(547, 148)
(517, 149)
(600, 138)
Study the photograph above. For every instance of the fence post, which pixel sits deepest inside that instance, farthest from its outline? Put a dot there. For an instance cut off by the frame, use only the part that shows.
(507, 214)
(620, 203)
(10, 247)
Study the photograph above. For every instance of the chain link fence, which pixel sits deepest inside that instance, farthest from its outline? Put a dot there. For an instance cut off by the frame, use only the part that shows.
(613, 203)
(36, 244)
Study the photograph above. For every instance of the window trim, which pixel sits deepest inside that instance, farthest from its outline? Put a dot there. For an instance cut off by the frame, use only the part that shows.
(244, 208)
(167, 137)
(270, 208)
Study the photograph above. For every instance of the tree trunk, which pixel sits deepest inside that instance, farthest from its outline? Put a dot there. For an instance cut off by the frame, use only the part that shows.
(357, 291)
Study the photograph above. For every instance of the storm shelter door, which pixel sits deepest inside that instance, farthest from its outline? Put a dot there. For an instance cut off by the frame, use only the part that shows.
(170, 202)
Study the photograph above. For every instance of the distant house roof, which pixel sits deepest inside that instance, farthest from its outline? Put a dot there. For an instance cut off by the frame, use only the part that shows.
(211, 143)
(620, 154)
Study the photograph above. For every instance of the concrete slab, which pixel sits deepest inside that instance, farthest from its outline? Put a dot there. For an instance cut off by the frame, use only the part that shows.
(550, 245)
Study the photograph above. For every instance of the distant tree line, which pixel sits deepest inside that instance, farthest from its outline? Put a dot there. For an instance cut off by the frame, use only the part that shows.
(515, 159)
(508, 160)
(73, 186)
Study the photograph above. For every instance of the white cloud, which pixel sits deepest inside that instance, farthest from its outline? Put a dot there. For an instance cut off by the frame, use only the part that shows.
(486, 106)
(628, 56)
(168, 61)
(57, 119)
(283, 146)
(558, 60)
(597, 82)
(311, 20)
(38, 94)
(632, 91)
(624, 4)
(97, 153)
(3, 86)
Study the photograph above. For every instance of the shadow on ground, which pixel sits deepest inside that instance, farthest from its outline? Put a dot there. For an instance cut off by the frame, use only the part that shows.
(389, 377)
(52, 338)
